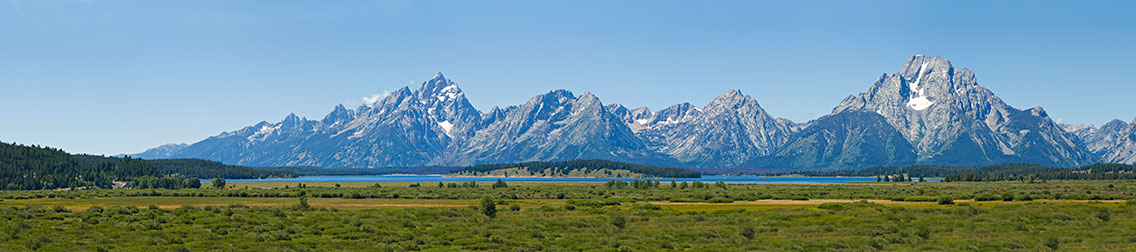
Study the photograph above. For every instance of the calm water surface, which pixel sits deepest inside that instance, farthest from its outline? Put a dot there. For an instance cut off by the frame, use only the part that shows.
(438, 178)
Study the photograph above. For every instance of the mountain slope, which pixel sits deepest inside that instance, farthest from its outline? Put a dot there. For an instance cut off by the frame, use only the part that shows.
(405, 128)
(849, 138)
(1113, 142)
(940, 112)
(730, 130)
(161, 152)
(951, 120)
(553, 126)
(945, 117)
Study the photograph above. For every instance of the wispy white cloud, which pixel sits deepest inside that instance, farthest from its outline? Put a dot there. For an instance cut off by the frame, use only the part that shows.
(368, 100)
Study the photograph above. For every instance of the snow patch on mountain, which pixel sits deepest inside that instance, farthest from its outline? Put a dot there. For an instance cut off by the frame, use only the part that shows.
(264, 132)
(919, 101)
(446, 127)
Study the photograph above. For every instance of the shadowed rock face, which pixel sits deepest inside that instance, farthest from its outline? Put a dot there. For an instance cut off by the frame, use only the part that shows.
(850, 138)
(927, 113)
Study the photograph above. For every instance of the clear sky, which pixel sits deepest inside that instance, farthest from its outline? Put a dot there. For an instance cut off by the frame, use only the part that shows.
(119, 76)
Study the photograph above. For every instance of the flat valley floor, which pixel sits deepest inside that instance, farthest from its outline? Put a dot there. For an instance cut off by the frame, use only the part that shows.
(993, 216)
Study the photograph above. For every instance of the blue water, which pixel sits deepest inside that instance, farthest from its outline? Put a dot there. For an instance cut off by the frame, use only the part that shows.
(437, 178)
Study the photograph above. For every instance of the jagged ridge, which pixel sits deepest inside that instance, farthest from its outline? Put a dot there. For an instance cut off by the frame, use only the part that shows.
(928, 113)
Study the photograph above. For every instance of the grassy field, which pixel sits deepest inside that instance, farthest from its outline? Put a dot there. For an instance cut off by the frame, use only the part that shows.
(176, 202)
(1057, 215)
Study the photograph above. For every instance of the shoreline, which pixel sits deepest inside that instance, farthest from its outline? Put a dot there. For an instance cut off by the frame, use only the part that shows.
(468, 176)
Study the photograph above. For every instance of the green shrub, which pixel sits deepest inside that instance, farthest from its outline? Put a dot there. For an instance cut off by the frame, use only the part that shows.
(646, 206)
(619, 221)
(920, 199)
(986, 197)
(1104, 215)
(1052, 243)
(946, 201)
(488, 207)
(720, 200)
(748, 232)
(923, 233)
(831, 206)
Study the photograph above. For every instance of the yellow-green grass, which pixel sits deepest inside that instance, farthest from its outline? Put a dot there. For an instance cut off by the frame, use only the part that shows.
(813, 204)
(175, 202)
(240, 185)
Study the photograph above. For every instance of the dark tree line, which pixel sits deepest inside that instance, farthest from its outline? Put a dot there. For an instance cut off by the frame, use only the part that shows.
(1090, 172)
(36, 168)
(565, 167)
(319, 171)
(197, 168)
(1001, 172)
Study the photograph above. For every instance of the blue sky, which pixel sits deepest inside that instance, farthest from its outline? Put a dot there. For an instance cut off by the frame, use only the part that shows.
(119, 76)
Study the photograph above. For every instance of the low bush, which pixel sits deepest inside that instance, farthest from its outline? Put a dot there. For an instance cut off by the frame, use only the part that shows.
(920, 199)
(720, 200)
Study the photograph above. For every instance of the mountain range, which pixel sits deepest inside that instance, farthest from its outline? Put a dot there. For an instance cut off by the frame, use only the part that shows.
(927, 113)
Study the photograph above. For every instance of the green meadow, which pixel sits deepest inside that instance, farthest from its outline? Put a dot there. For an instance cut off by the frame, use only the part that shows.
(987, 216)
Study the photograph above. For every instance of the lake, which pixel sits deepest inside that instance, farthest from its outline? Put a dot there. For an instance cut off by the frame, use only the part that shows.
(438, 178)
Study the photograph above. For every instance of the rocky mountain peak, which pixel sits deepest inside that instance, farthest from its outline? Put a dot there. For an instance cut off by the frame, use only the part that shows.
(1038, 111)
(290, 120)
(920, 64)
(943, 112)
(399, 95)
(730, 97)
(338, 115)
(554, 98)
(588, 98)
(1115, 124)
(438, 90)
(494, 115)
(1113, 142)
(927, 113)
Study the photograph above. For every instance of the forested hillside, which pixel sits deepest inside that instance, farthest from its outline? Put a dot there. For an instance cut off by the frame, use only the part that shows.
(566, 168)
(25, 167)
(33, 167)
